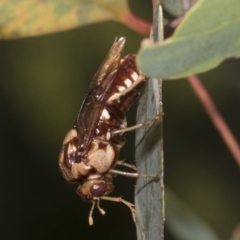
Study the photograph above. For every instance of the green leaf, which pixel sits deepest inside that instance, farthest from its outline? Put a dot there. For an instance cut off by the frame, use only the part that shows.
(183, 223)
(178, 7)
(29, 18)
(208, 35)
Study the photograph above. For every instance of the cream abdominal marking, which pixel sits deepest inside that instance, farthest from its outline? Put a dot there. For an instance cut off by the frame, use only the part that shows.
(134, 76)
(105, 114)
(121, 88)
(128, 82)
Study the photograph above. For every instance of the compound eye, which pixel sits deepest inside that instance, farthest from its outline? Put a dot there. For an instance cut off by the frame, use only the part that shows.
(98, 189)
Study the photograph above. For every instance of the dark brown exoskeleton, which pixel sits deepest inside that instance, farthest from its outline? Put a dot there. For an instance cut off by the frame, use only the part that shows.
(90, 150)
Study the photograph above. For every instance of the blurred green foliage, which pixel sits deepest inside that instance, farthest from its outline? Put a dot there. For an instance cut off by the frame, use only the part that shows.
(32, 18)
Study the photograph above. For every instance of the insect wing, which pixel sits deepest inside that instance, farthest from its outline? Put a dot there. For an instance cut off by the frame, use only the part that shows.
(110, 63)
(90, 109)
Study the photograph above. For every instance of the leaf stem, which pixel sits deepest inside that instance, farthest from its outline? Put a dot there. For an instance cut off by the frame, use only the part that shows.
(137, 24)
(216, 117)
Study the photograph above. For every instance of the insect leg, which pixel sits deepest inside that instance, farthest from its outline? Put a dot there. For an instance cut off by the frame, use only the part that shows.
(133, 175)
(122, 163)
(140, 125)
(119, 199)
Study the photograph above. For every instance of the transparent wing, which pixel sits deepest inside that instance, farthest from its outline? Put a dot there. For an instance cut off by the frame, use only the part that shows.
(90, 110)
(110, 63)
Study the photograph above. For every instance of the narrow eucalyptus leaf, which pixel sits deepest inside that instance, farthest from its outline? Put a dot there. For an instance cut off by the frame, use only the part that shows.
(183, 223)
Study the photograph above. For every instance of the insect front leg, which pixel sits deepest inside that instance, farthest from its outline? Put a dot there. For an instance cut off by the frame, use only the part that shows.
(112, 199)
(119, 199)
(133, 175)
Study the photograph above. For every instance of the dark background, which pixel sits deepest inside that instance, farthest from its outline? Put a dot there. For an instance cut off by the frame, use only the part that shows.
(42, 83)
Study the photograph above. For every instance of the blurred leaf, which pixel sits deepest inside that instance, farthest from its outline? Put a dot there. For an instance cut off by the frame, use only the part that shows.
(236, 233)
(178, 7)
(183, 223)
(34, 17)
(208, 35)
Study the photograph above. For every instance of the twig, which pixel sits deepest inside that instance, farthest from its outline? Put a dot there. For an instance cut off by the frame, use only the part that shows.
(137, 24)
(216, 117)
